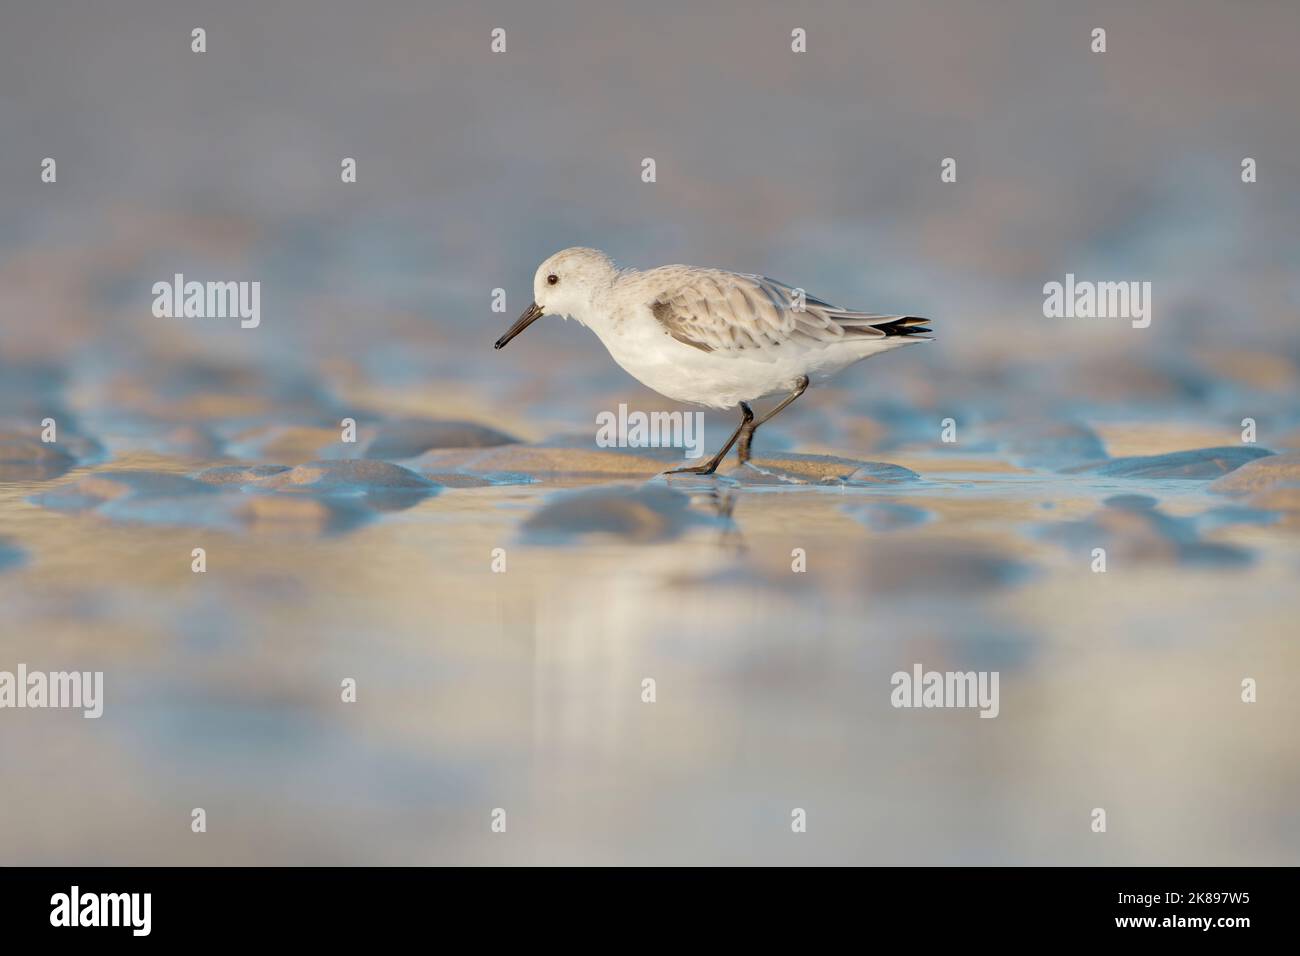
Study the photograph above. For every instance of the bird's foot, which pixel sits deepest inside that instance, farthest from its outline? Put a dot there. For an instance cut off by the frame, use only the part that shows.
(705, 469)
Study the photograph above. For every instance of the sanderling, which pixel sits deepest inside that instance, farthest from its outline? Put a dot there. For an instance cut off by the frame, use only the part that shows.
(709, 337)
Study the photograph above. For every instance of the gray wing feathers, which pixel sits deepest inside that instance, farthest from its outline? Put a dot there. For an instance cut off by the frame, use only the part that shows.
(717, 311)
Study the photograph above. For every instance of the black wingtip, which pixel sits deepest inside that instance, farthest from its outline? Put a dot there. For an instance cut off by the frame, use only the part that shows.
(907, 325)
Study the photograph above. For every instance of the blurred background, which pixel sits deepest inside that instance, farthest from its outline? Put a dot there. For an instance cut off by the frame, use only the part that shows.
(522, 690)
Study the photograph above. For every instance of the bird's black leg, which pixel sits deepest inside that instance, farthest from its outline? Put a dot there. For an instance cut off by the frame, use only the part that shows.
(748, 428)
(711, 465)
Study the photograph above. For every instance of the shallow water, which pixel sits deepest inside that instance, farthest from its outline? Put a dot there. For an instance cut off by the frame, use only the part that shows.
(522, 689)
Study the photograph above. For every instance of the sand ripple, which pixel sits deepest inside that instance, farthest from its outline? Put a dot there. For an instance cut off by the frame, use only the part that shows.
(1197, 463)
(321, 496)
(1262, 475)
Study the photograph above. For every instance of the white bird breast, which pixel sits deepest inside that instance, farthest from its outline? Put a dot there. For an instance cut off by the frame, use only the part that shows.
(721, 379)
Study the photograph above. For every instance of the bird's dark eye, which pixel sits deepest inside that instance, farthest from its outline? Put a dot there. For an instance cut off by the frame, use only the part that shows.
(552, 279)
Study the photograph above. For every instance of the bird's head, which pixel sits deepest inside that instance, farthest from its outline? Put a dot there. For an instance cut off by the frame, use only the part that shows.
(564, 285)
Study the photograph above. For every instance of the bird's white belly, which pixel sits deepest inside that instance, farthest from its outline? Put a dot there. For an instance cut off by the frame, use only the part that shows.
(720, 380)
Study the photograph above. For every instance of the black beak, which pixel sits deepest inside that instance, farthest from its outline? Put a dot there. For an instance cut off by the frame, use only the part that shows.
(531, 315)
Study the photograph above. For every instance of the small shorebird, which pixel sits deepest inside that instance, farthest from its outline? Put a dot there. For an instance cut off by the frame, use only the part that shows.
(709, 337)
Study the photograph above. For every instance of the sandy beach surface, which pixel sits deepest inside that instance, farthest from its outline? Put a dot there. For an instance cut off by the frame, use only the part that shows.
(499, 603)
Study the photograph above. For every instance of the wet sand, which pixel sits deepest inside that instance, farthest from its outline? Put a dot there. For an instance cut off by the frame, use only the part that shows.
(522, 688)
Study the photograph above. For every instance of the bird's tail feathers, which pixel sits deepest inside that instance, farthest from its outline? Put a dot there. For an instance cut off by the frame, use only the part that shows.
(888, 326)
